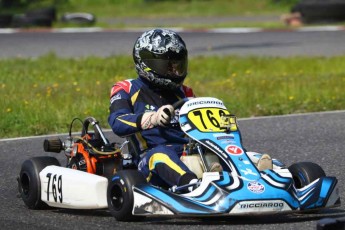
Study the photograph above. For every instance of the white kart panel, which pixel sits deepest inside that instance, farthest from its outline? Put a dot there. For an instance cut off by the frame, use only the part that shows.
(68, 188)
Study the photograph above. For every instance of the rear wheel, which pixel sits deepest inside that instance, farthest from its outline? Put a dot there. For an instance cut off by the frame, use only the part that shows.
(303, 173)
(120, 194)
(29, 183)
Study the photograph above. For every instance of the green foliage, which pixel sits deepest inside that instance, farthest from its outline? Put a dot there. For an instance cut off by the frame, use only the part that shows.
(42, 96)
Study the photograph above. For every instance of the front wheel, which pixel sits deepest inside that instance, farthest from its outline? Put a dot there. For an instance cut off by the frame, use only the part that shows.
(303, 173)
(120, 194)
(29, 183)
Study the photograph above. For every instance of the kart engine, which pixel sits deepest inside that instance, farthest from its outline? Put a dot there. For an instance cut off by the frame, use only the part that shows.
(90, 152)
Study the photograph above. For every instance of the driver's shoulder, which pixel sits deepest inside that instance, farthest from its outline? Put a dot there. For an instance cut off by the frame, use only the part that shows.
(188, 91)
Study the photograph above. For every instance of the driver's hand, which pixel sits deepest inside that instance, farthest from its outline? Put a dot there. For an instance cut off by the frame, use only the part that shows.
(164, 115)
(160, 118)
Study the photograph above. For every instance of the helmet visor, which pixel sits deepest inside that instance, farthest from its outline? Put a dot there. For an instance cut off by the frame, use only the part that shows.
(168, 68)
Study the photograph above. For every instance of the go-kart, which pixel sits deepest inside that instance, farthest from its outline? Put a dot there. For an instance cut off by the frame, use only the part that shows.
(82, 183)
(239, 188)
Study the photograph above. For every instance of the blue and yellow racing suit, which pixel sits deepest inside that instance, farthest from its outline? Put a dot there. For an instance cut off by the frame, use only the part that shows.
(161, 147)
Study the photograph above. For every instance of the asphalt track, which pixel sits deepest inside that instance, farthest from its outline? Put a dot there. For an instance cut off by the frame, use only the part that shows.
(317, 137)
(311, 41)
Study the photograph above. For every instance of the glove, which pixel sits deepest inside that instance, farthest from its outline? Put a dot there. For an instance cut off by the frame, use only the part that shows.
(160, 118)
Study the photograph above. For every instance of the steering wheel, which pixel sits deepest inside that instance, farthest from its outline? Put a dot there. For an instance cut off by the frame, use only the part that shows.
(179, 103)
(176, 106)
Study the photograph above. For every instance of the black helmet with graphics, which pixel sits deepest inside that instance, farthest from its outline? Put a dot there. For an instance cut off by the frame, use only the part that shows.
(161, 57)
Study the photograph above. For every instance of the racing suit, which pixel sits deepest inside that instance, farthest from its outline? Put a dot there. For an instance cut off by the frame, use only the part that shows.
(160, 147)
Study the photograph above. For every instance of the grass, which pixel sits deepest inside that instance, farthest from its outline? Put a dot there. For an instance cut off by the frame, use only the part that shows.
(176, 8)
(42, 96)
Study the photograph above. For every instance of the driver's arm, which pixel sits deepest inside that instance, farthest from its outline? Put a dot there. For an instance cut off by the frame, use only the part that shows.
(124, 121)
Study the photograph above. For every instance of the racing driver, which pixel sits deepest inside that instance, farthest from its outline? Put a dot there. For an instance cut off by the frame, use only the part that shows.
(141, 109)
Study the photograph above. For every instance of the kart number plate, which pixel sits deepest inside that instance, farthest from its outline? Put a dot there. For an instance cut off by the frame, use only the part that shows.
(208, 119)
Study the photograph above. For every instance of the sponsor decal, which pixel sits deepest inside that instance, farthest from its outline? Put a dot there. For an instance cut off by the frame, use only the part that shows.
(228, 142)
(256, 187)
(224, 137)
(150, 108)
(122, 85)
(205, 102)
(216, 148)
(270, 205)
(115, 97)
(249, 171)
(234, 150)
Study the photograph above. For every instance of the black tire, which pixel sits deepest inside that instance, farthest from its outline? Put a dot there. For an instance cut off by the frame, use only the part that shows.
(24, 21)
(303, 173)
(79, 18)
(320, 11)
(5, 20)
(29, 183)
(20, 21)
(120, 194)
(40, 21)
(47, 12)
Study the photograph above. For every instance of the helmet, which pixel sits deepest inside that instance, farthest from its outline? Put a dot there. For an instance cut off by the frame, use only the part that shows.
(161, 57)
